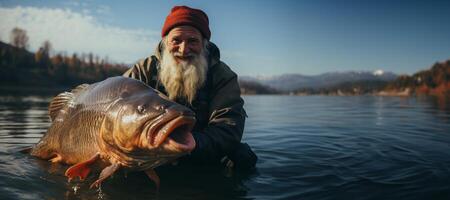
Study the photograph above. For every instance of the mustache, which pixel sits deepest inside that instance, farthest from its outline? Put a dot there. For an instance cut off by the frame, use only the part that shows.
(188, 55)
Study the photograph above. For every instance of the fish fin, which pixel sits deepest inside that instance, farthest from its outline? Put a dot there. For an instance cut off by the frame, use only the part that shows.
(62, 99)
(56, 159)
(79, 88)
(58, 103)
(81, 169)
(107, 172)
(154, 177)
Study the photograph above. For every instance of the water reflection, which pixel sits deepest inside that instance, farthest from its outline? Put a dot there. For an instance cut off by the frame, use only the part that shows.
(441, 102)
(312, 147)
(23, 119)
(439, 106)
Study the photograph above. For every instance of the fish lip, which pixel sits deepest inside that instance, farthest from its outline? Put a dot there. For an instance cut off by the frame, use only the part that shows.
(162, 136)
(153, 126)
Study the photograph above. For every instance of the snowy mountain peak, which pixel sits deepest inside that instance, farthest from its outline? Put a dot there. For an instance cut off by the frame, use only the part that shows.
(378, 72)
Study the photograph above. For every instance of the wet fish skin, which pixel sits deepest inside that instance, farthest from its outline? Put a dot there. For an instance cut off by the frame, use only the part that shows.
(120, 122)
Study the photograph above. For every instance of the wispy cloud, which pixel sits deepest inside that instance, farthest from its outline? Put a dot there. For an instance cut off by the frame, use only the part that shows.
(77, 32)
(103, 9)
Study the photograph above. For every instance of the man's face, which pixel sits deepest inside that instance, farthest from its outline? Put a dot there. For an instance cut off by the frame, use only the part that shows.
(184, 43)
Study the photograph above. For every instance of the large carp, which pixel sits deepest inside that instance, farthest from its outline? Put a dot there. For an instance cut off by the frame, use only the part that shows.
(117, 123)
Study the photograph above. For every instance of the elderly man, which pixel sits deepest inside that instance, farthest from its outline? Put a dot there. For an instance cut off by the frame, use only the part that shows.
(186, 67)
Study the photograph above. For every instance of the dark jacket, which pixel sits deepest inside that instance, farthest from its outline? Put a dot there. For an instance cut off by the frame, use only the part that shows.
(218, 106)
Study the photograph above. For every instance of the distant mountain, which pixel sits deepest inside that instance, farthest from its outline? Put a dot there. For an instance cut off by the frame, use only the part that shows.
(363, 87)
(253, 87)
(291, 82)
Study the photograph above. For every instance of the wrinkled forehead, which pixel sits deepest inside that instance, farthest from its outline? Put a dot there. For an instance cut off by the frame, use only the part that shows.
(184, 32)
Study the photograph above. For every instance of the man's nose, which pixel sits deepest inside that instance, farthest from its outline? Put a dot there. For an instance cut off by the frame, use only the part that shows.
(183, 48)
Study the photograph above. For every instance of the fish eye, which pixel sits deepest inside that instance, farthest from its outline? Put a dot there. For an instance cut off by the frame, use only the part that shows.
(141, 109)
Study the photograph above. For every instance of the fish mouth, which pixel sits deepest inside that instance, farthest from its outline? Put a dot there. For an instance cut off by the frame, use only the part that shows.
(175, 135)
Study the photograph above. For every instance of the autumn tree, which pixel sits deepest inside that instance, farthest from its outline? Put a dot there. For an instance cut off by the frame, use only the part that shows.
(91, 59)
(19, 38)
(42, 56)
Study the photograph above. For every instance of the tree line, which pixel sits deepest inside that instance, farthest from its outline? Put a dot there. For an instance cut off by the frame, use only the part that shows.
(18, 66)
(435, 81)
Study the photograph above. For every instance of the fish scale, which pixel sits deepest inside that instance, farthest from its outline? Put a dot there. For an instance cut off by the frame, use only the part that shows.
(104, 122)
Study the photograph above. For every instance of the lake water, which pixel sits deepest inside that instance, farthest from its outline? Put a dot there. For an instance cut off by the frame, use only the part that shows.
(311, 147)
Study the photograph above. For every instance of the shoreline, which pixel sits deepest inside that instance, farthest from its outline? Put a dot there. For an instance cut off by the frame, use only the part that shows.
(27, 89)
(54, 90)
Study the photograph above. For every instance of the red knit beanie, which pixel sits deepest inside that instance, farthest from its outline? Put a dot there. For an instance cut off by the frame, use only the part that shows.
(183, 15)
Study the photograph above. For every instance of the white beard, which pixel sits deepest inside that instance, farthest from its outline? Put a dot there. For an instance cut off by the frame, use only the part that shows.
(183, 79)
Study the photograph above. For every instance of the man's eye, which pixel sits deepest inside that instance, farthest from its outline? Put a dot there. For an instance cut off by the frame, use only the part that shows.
(176, 41)
(193, 40)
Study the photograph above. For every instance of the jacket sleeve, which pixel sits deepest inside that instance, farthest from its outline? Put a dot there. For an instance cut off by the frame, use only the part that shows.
(227, 117)
(141, 70)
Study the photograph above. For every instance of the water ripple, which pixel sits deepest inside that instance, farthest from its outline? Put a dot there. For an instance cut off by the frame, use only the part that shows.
(313, 147)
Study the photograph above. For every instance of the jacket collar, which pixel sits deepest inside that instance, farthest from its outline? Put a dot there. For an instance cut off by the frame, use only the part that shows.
(214, 53)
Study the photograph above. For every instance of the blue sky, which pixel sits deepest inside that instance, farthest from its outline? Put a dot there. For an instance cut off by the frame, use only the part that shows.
(255, 37)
